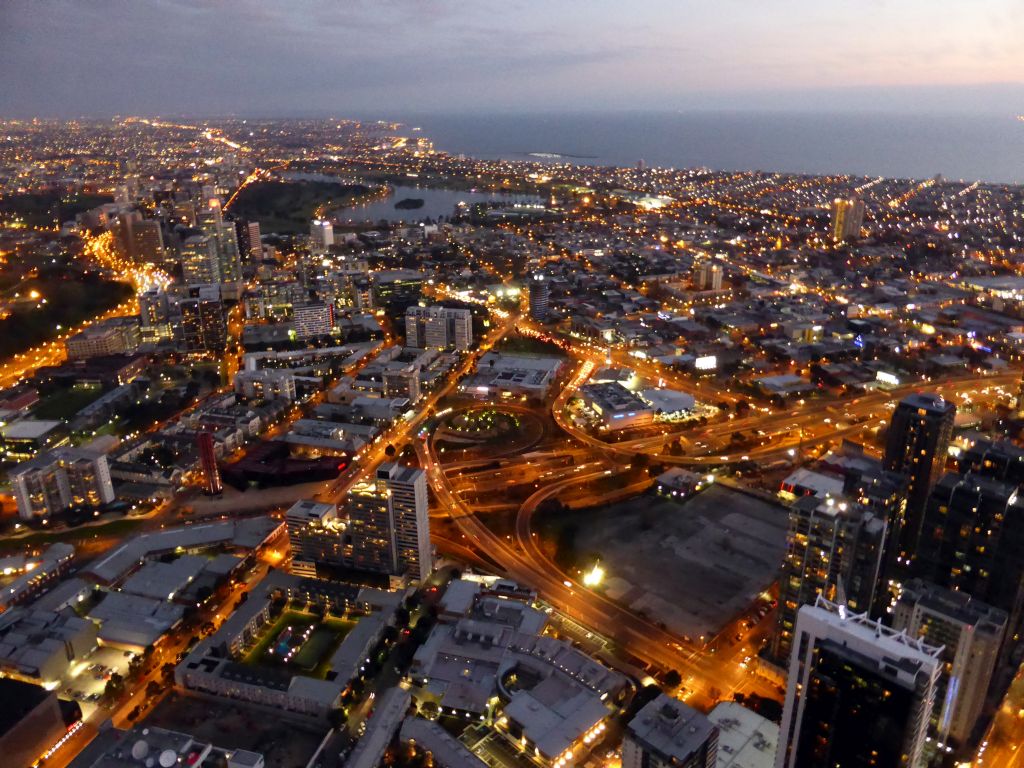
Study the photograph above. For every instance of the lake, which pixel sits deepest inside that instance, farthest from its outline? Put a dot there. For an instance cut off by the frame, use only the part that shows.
(436, 202)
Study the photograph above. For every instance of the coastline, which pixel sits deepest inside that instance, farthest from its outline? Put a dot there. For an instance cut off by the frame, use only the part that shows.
(907, 146)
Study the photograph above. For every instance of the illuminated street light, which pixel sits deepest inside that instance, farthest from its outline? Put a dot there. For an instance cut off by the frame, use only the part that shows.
(594, 576)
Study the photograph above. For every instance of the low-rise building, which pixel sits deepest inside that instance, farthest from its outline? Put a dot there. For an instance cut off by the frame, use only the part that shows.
(507, 375)
(26, 438)
(680, 483)
(134, 622)
(667, 733)
(745, 738)
(152, 747)
(114, 336)
(493, 664)
(30, 722)
(266, 384)
(444, 749)
(215, 665)
(245, 536)
(380, 729)
(38, 646)
(615, 407)
(36, 574)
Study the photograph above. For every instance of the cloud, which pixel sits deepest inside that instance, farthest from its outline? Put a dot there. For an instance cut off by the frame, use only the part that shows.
(266, 57)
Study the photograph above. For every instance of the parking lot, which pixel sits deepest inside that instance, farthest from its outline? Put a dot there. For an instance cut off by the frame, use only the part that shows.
(86, 679)
(692, 566)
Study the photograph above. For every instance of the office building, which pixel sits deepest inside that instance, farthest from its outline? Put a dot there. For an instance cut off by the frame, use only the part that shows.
(847, 219)
(970, 633)
(831, 545)
(249, 240)
(973, 541)
(184, 212)
(204, 326)
(210, 216)
(321, 233)
(311, 320)
(406, 489)
(667, 733)
(121, 228)
(858, 692)
(540, 297)
(316, 535)
(438, 327)
(916, 447)
(223, 243)
(65, 478)
(200, 262)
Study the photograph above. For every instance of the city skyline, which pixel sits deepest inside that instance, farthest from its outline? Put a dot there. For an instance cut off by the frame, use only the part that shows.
(318, 58)
(505, 385)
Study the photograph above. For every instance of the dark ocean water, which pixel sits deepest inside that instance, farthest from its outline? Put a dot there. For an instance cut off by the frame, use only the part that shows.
(981, 147)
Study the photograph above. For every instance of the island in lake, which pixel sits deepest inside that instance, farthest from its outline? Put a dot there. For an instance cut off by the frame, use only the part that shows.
(409, 204)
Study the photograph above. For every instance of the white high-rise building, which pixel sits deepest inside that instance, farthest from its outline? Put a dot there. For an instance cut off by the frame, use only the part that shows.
(438, 327)
(321, 233)
(859, 693)
(970, 633)
(406, 489)
(64, 478)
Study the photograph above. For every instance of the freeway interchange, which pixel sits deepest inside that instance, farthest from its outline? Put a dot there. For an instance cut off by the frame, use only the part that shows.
(711, 670)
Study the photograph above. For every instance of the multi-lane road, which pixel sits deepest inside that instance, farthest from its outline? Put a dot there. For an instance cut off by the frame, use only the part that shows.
(99, 249)
(779, 431)
(813, 423)
(524, 562)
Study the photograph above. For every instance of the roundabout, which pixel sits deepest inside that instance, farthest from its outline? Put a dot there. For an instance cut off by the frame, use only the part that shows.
(498, 429)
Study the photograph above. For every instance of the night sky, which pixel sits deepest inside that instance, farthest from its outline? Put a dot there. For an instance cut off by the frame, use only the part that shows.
(61, 58)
